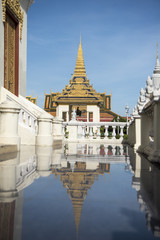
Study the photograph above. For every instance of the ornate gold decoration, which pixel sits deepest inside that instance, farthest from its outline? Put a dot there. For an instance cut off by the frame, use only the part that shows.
(80, 68)
(79, 92)
(14, 7)
(32, 99)
(9, 55)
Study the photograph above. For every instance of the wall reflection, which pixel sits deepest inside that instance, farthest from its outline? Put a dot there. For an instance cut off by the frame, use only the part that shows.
(146, 181)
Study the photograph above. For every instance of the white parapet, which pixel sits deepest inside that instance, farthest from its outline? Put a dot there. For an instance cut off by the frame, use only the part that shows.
(57, 128)
(9, 113)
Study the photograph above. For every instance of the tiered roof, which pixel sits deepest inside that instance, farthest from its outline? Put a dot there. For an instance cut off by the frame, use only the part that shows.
(79, 89)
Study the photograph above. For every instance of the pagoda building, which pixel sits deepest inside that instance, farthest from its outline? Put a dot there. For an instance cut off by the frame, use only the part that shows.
(90, 105)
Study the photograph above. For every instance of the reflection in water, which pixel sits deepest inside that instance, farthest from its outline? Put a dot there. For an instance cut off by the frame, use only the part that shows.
(78, 167)
(77, 183)
(146, 181)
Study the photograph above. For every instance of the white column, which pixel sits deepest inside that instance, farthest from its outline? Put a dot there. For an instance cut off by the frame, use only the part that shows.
(67, 116)
(44, 137)
(114, 132)
(121, 131)
(57, 128)
(137, 132)
(73, 131)
(156, 152)
(90, 132)
(106, 132)
(9, 113)
(63, 130)
(83, 132)
(98, 132)
(87, 116)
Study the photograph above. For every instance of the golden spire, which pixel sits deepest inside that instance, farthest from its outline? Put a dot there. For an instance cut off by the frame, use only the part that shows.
(80, 70)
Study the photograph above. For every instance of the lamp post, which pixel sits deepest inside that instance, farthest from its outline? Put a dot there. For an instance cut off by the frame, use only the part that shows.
(118, 125)
(127, 111)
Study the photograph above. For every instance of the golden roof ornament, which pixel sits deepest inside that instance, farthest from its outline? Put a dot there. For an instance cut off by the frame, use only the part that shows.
(80, 70)
(14, 7)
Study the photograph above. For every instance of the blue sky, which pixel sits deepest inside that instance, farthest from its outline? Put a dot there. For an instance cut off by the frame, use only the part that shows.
(119, 40)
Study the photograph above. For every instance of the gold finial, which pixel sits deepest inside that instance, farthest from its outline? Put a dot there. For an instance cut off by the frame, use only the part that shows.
(80, 38)
(157, 49)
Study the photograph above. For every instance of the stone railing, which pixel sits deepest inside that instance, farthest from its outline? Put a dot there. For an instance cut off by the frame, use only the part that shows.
(77, 131)
(28, 112)
(35, 126)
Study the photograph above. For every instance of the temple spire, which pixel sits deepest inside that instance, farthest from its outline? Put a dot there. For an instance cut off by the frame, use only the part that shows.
(80, 70)
(157, 67)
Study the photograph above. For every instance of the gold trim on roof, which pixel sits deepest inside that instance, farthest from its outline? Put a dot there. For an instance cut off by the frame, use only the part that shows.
(14, 7)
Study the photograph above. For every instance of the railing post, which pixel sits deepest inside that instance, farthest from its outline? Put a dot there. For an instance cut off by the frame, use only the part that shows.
(106, 132)
(121, 132)
(44, 137)
(90, 133)
(98, 132)
(114, 132)
(63, 130)
(9, 114)
(57, 129)
(83, 132)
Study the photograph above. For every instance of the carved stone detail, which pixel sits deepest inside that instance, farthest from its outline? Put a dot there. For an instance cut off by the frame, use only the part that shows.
(14, 7)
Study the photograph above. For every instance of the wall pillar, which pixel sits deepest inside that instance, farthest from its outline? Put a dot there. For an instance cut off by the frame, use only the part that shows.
(144, 133)
(57, 129)
(73, 132)
(137, 133)
(44, 137)
(155, 156)
(9, 113)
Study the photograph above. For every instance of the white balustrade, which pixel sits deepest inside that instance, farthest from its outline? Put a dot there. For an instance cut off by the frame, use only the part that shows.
(114, 132)
(98, 132)
(106, 132)
(88, 134)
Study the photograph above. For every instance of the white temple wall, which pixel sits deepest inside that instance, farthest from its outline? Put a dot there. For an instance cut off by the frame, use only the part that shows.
(23, 55)
(60, 109)
(96, 112)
